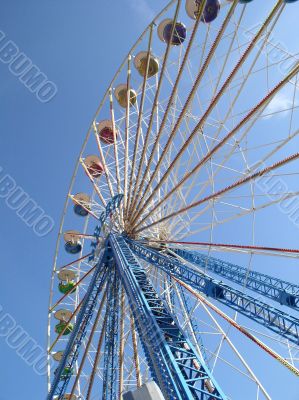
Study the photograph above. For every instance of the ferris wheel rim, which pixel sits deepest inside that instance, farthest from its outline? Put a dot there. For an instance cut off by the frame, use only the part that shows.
(107, 93)
(89, 131)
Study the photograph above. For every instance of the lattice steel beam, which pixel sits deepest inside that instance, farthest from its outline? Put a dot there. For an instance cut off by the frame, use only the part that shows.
(277, 321)
(174, 363)
(283, 292)
(70, 354)
(193, 324)
(111, 339)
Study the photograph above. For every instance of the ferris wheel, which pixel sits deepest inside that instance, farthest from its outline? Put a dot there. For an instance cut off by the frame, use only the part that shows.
(176, 262)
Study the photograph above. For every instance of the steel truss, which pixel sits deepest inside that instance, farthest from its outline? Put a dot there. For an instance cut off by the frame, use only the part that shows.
(277, 321)
(175, 365)
(193, 324)
(70, 355)
(283, 292)
(111, 339)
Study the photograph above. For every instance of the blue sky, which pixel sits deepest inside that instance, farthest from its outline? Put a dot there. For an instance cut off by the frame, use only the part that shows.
(78, 45)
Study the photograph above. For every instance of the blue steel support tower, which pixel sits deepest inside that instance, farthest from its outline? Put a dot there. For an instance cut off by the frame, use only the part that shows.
(174, 363)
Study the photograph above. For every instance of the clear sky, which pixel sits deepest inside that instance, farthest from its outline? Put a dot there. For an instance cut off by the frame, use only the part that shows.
(77, 44)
